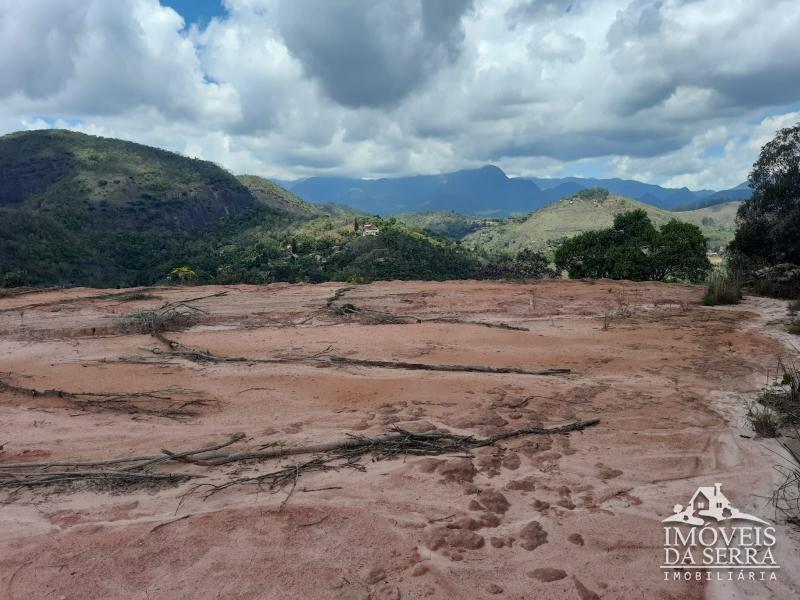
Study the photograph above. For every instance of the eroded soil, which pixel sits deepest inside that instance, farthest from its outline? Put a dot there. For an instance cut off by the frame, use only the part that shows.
(561, 516)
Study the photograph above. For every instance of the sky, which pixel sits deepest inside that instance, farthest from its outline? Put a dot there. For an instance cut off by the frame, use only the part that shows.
(673, 92)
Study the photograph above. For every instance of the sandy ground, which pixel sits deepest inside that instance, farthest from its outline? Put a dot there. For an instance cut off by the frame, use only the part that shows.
(562, 516)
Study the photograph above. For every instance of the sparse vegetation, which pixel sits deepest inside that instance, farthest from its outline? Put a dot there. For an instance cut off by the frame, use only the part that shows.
(781, 399)
(724, 287)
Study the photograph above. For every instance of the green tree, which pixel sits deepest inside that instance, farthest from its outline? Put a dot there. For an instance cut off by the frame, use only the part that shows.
(529, 264)
(768, 225)
(679, 252)
(634, 249)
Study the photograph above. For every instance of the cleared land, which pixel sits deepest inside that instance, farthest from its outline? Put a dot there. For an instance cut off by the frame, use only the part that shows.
(573, 515)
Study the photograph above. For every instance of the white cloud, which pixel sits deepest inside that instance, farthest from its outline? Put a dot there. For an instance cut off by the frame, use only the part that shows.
(664, 91)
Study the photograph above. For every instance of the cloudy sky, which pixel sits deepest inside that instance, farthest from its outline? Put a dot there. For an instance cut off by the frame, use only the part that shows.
(675, 92)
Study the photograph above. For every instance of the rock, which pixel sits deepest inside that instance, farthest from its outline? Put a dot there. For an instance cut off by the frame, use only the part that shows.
(493, 588)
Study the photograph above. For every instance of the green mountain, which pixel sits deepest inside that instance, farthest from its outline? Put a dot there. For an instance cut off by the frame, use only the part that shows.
(274, 196)
(590, 210)
(85, 210)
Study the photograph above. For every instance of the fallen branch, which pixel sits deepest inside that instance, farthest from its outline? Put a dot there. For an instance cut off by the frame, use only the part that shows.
(321, 358)
(172, 402)
(341, 454)
(433, 443)
(386, 364)
(386, 318)
(147, 459)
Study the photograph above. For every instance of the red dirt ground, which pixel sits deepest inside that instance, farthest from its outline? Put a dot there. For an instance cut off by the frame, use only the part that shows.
(561, 516)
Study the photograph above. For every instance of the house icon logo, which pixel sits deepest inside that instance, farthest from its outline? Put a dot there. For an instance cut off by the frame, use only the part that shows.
(708, 503)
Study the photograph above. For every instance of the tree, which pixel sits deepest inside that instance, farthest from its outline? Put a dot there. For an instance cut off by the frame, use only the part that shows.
(768, 225)
(634, 249)
(679, 253)
(529, 264)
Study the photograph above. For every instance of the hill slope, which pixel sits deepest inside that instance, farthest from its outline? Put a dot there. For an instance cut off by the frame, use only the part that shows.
(590, 210)
(80, 209)
(84, 210)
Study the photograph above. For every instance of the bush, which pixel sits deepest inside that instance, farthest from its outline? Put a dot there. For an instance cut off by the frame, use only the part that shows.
(14, 279)
(724, 287)
(780, 281)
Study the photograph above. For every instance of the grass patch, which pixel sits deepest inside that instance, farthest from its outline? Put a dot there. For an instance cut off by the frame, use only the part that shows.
(724, 287)
(778, 405)
(764, 421)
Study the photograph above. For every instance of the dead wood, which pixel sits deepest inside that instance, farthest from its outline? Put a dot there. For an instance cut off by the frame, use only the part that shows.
(342, 454)
(386, 364)
(323, 358)
(174, 402)
(66, 301)
(396, 441)
(378, 317)
(146, 459)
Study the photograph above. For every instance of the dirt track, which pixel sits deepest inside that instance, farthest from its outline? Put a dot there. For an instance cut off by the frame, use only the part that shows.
(568, 516)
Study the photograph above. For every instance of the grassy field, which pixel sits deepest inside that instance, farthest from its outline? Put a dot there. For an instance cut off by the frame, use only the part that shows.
(585, 211)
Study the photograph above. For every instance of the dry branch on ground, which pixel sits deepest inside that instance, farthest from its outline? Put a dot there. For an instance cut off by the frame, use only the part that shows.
(346, 453)
(172, 402)
(325, 358)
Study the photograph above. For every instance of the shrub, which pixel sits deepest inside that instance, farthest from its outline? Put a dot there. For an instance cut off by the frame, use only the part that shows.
(781, 281)
(166, 318)
(14, 279)
(724, 287)
(778, 404)
(763, 420)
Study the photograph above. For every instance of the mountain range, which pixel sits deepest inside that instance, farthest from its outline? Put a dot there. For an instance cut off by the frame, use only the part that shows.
(77, 209)
(489, 192)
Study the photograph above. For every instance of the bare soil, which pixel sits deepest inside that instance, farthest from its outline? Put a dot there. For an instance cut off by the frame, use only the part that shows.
(560, 516)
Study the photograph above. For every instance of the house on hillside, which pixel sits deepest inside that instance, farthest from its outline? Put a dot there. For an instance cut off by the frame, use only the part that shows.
(369, 229)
